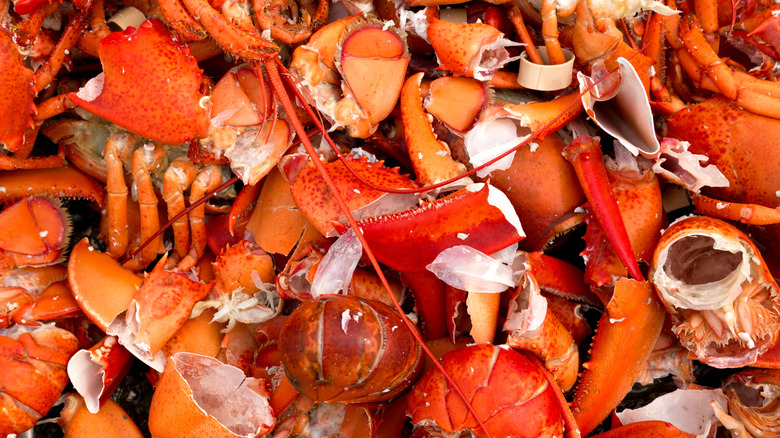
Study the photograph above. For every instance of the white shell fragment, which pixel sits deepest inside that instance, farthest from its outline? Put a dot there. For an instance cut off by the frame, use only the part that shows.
(687, 409)
(337, 266)
(685, 168)
(627, 116)
(466, 268)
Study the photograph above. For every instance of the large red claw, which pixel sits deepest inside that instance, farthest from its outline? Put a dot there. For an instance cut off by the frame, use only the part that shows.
(633, 320)
(584, 154)
(16, 98)
(149, 85)
(479, 216)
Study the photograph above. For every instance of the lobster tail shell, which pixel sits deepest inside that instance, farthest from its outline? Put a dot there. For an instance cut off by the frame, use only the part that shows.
(331, 349)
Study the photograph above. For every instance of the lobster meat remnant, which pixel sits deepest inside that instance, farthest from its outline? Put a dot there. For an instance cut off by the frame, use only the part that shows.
(324, 218)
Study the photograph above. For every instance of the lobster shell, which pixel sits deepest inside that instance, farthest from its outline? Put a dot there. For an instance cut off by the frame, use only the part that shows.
(332, 347)
(33, 374)
(507, 390)
(723, 300)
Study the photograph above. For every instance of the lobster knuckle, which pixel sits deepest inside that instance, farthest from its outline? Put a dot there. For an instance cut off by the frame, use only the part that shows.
(159, 309)
(174, 116)
(501, 384)
(200, 396)
(33, 375)
(322, 330)
(722, 298)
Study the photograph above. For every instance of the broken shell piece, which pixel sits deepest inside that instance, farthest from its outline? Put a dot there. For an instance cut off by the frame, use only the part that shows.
(160, 308)
(476, 50)
(752, 396)
(696, 418)
(721, 296)
(200, 396)
(545, 77)
(685, 168)
(627, 116)
(95, 373)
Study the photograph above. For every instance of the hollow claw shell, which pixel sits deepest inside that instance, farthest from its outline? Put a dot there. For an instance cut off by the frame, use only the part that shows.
(715, 284)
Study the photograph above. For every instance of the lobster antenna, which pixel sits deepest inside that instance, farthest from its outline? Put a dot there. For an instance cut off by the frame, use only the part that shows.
(276, 82)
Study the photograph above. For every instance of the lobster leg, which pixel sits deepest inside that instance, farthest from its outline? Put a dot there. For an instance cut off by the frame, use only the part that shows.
(750, 214)
(178, 177)
(147, 200)
(206, 181)
(117, 148)
(760, 97)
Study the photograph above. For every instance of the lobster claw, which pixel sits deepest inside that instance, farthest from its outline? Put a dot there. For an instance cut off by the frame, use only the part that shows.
(479, 216)
(139, 64)
(584, 154)
(40, 234)
(16, 99)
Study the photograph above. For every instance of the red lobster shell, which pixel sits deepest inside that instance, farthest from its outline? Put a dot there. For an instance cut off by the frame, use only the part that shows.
(506, 389)
(332, 347)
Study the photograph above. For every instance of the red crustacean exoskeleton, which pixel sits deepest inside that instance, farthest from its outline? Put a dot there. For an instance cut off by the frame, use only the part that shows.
(166, 137)
(341, 326)
(33, 373)
(502, 384)
(722, 298)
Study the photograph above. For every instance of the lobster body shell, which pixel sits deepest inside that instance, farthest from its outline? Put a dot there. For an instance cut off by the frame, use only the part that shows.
(339, 348)
(742, 146)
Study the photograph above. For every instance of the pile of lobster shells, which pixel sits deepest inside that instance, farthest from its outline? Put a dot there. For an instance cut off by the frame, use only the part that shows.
(421, 218)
